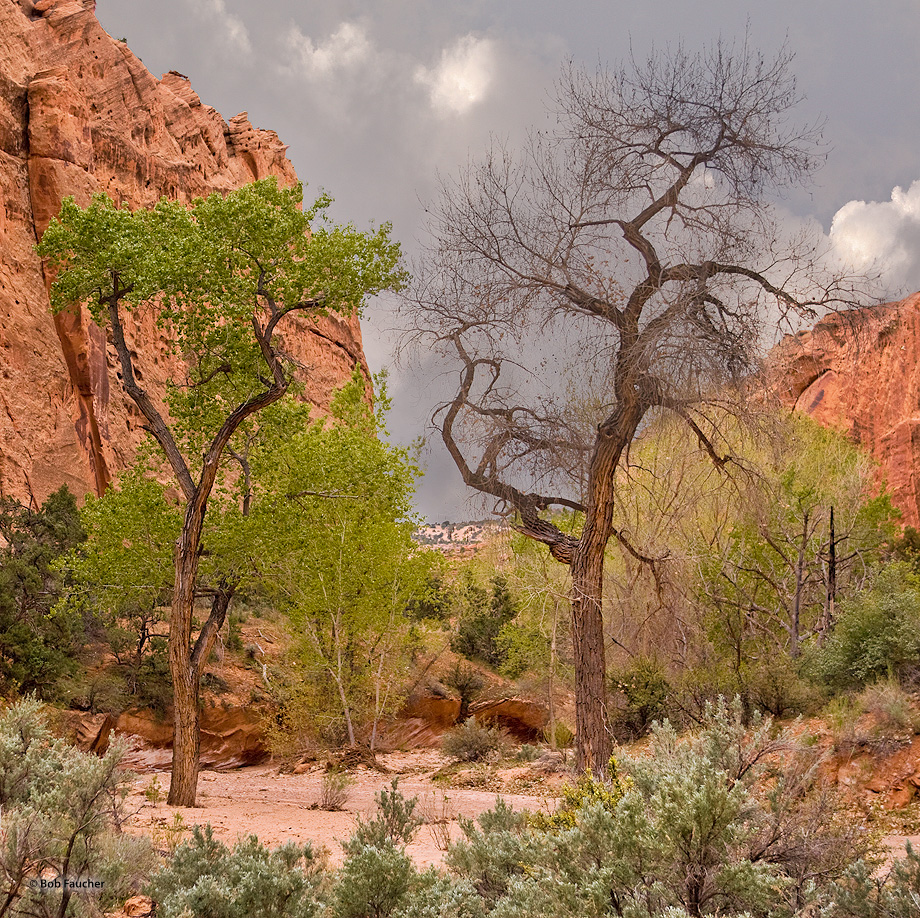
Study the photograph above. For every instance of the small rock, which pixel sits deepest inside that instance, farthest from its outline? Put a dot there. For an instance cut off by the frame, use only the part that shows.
(138, 907)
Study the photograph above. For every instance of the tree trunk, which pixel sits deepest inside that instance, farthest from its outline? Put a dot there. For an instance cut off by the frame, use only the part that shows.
(830, 611)
(552, 674)
(345, 709)
(592, 739)
(185, 673)
(593, 745)
(183, 785)
(795, 624)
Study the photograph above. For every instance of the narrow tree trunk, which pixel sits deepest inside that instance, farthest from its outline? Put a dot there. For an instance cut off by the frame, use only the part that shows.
(185, 674)
(345, 709)
(592, 739)
(795, 624)
(830, 611)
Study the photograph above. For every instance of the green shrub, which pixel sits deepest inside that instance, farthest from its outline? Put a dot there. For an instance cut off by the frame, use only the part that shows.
(206, 879)
(606, 792)
(778, 688)
(234, 635)
(877, 634)
(891, 706)
(99, 692)
(473, 742)
(528, 753)
(842, 716)
(372, 883)
(334, 790)
(561, 736)
(481, 621)
(467, 682)
(727, 821)
(891, 722)
(62, 811)
(377, 874)
(644, 691)
(493, 850)
(866, 893)
(395, 822)
(437, 896)
(151, 686)
(522, 648)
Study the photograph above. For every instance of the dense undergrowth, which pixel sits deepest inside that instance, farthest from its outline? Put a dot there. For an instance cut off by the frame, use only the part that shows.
(84, 598)
(732, 820)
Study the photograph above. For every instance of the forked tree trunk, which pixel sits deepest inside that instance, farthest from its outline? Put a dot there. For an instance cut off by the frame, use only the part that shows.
(186, 668)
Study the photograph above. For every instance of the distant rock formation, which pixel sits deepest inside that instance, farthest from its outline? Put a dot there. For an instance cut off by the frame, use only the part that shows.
(859, 371)
(79, 113)
(230, 736)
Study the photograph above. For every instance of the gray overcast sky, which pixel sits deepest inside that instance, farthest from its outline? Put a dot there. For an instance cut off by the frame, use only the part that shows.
(374, 98)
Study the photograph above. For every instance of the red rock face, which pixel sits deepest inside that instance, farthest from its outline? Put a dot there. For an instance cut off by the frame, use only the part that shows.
(79, 113)
(859, 371)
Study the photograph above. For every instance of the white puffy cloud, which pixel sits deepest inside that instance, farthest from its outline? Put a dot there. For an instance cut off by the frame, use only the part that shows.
(347, 47)
(234, 30)
(884, 235)
(462, 75)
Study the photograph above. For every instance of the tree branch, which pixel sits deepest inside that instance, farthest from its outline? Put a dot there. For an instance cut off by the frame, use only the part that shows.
(208, 634)
(155, 423)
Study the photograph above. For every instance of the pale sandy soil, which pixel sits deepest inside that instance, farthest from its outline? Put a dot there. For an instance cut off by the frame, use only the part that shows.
(279, 807)
(897, 844)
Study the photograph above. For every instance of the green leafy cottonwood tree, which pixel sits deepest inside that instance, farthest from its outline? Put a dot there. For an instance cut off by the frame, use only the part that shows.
(220, 274)
(333, 517)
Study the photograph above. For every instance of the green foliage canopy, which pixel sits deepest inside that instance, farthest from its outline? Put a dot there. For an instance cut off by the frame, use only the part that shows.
(332, 527)
(36, 640)
(206, 269)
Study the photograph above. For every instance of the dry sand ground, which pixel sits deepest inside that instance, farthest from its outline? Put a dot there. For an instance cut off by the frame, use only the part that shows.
(279, 807)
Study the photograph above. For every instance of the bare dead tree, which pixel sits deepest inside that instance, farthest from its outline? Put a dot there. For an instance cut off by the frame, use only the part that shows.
(635, 244)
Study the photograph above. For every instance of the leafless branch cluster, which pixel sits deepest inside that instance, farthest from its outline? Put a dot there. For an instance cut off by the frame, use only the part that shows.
(636, 237)
(634, 248)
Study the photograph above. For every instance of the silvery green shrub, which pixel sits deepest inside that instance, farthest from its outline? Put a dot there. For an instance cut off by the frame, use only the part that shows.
(61, 815)
(206, 879)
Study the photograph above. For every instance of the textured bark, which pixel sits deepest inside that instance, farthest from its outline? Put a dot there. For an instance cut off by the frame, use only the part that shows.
(186, 677)
(592, 738)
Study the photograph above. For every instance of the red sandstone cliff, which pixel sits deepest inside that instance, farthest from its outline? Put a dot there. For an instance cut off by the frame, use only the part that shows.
(859, 371)
(79, 113)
